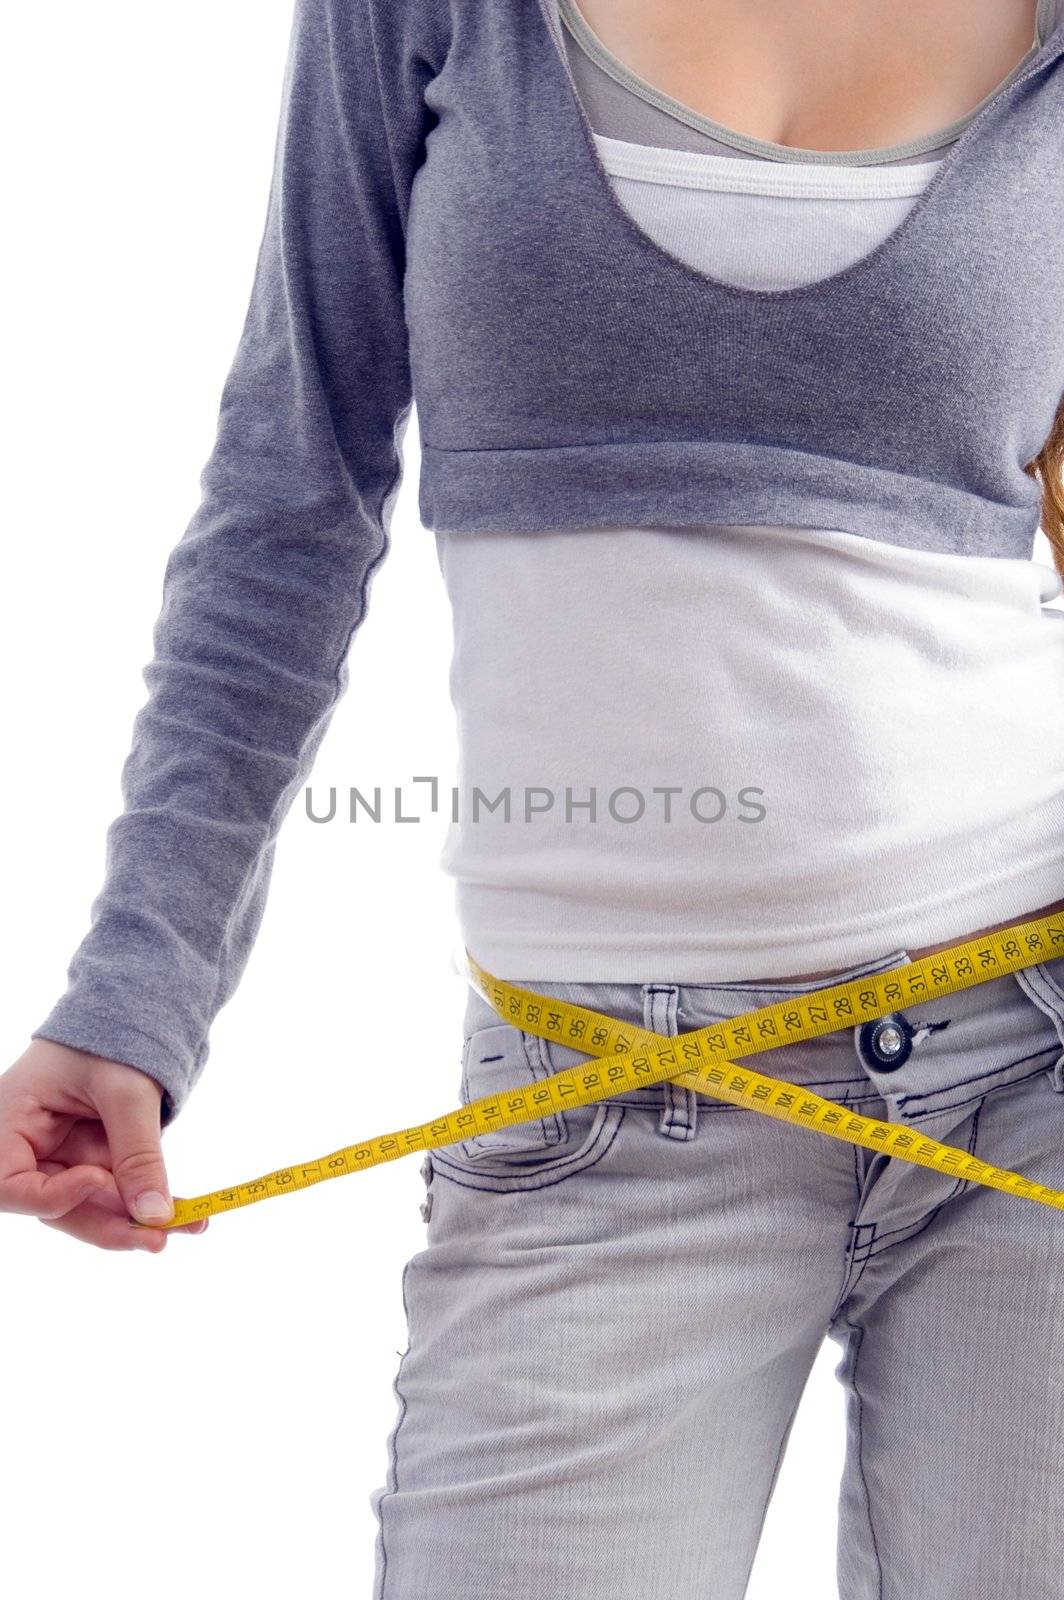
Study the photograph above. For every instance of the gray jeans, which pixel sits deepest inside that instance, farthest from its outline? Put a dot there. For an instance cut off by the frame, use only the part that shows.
(618, 1307)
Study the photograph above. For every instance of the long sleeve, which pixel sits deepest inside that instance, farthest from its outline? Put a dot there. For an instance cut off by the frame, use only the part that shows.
(265, 589)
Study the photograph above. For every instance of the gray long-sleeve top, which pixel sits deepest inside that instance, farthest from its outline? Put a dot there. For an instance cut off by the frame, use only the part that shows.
(269, 582)
(439, 224)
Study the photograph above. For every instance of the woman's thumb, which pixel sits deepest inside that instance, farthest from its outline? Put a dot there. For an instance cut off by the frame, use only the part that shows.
(129, 1109)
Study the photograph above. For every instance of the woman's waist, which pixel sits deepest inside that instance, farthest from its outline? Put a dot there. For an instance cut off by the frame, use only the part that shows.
(918, 952)
(945, 1053)
(712, 924)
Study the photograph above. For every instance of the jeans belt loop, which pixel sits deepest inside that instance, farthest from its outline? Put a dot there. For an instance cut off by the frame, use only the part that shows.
(679, 1111)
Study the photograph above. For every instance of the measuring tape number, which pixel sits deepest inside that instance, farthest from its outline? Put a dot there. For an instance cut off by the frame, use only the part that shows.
(624, 1057)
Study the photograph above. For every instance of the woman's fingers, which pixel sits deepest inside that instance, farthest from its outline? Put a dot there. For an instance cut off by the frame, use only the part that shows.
(80, 1148)
(25, 1188)
(106, 1196)
(93, 1224)
(110, 1200)
(37, 1111)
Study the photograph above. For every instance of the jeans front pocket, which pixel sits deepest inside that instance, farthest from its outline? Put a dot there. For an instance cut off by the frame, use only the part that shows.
(523, 1155)
(495, 1059)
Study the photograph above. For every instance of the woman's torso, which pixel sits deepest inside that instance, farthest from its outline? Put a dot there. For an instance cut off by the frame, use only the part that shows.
(893, 631)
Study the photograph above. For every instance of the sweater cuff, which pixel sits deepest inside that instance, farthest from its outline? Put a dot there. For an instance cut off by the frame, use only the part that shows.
(82, 1028)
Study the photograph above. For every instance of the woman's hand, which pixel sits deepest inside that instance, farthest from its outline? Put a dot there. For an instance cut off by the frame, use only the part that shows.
(80, 1148)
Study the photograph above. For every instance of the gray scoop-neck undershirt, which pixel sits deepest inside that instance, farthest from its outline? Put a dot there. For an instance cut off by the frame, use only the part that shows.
(622, 105)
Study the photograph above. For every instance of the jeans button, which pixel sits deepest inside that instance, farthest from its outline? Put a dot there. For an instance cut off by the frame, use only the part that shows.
(887, 1042)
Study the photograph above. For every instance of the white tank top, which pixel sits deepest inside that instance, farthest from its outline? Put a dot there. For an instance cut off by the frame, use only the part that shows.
(747, 752)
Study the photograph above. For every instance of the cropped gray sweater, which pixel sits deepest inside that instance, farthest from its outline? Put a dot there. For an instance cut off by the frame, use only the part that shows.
(440, 229)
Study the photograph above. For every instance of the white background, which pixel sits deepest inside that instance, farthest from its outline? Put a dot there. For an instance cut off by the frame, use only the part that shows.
(214, 1419)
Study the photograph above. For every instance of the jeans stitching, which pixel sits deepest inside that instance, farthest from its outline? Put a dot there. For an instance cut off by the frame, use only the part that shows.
(933, 1213)
(957, 1105)
(679, 1104)
(510, 1184)
(863, 1260)
(853, 1227)
(858, 1330)
(913, 1230)
(708, 1101)
(544, 1131)
(666, 1024)
(538, 1057)
(392, 1480)
(1051, 983)
(843, 1100)
(787, 1429)
(977, 1077)
(1040, 978)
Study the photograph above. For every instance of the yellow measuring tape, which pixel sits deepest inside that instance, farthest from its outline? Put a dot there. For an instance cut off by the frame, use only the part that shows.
(627, 1057)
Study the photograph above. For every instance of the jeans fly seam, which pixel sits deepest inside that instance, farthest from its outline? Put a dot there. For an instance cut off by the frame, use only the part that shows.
(957, 1105)
(977, 1077)
(912, 1231)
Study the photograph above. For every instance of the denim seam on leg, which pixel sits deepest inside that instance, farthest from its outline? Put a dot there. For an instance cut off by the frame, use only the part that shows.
(392, 1480)
(774, 1477)
(858, 1330)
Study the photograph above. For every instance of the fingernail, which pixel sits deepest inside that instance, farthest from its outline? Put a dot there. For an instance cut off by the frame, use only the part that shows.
(90, 1191)
(152, 1207)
